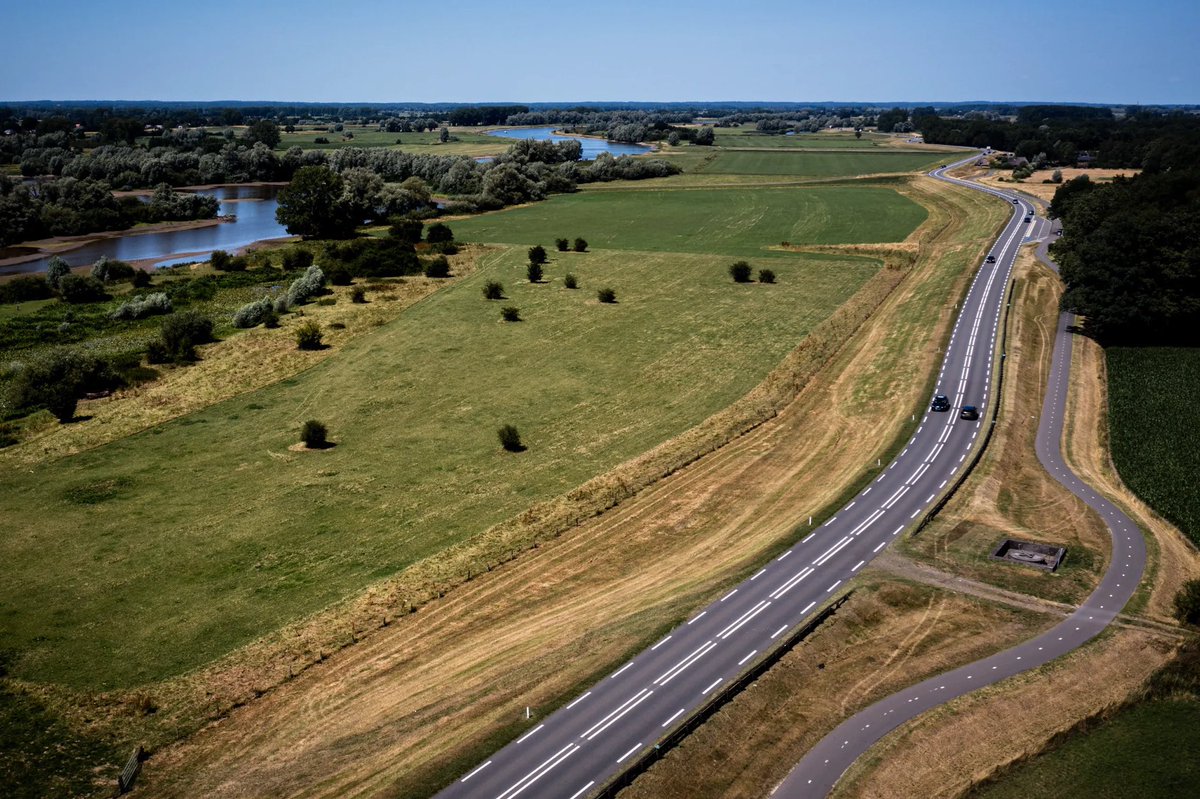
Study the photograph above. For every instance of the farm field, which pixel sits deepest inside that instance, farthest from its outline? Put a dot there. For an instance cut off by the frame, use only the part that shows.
(747, 136)
(202, 534)
(1154, 423)
(736, 221)
(1147, 751)
(822, 164)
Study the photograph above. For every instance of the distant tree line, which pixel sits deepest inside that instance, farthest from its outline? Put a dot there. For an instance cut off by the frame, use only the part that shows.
(485, 114)
(71, 207)
(1142, 138)
(1130, 256)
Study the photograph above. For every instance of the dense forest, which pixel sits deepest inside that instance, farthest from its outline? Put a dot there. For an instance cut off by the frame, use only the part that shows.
(1130, 256)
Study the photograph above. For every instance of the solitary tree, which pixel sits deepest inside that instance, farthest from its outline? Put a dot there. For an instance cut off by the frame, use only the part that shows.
(439, 233)
(606, 295)
(562, 244)
(740, 272)
(493, 290)
(570, 281)
(510, 438)
(534, 271)
(311, 205)
(537, 254)
(265, 131)
(56, 270)
(705, 136)
(444, 135)
(510, 313)
(858, 133)
(766, 276)
(314, 434)
(581, 245)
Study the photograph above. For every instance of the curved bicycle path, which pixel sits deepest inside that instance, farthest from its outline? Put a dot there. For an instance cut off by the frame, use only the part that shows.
(820, 769)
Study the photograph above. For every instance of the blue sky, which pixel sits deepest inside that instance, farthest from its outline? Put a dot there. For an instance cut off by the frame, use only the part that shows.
(472, 51)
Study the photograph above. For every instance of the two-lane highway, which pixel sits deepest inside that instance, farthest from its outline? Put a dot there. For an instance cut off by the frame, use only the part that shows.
(816, 774)
(573, 752)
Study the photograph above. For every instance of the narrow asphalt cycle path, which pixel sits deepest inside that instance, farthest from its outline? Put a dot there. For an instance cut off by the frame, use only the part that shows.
(816, 774)
(595, 738)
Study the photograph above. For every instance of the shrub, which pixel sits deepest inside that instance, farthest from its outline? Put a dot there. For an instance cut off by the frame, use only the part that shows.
(562, 244)
(358, 295)
(534, 271)
(141, 307)
(56, 270)
(108, 270)
(308, 335)
(305, 287)
(1187, 603)
(141, 278)
(510, 313)
(570, 282)
(314, 434)
(296, 258)
(281, 305)
(270, 318)
(437, 267)
(254, 313)
(510, 438)
(327, 301)
(537, 254)
(766, 276)
(606, 295)
(405, 229)
(24, 289)
(181, 333)
(339, 275)
(740, 272)
(444, 248)
(493, 290)
(220, 260)
(580, 245)
(57, 381)
(439, 233)
(77, 289)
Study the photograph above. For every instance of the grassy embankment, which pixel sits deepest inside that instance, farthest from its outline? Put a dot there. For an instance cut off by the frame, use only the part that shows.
(536, 630)
(254, 536)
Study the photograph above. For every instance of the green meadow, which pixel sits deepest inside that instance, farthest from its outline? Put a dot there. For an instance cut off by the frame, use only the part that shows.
(823, 164)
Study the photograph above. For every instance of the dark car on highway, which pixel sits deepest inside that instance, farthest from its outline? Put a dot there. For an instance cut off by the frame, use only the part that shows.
(969, 412)
(991, 259)
(940, 403)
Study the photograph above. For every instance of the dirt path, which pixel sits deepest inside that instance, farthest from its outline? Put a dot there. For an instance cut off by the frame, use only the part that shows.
(411, 705)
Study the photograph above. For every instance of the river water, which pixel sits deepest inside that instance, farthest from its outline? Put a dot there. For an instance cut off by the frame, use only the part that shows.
(591, 147)
(254, 207)
(254, 211)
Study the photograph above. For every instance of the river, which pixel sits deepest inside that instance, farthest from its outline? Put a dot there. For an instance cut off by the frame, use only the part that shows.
(591, 147)
(254, 211)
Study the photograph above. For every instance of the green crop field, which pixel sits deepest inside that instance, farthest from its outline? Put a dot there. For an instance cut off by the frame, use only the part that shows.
(748, 137)
(1154, 428)
(1147, 751)
(822, 165)
(162, 551)
(733, 221)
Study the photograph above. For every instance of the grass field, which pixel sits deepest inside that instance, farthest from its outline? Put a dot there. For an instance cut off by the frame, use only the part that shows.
(469, 142)
(164, 550)
(749, 137)
(740, 221)
(822, 165)
(1153, 428)
(1147, 751)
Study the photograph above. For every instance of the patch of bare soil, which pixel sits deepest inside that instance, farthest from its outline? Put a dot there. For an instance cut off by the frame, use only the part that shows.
(1036, 186)
(422, 695)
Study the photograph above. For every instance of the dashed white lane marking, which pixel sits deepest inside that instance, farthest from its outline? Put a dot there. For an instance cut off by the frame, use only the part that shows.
(476, 771)
(580, 699)
(581, 791)
(674, 716)
(630, 752)
(693, 621)
(753, 652)
(777, 633)
(714, 685)
(660, 643)
(618, 671)
(531, 732)
(731, 593)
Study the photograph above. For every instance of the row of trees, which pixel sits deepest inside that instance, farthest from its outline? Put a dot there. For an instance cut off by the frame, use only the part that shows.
(1130, 256)
(71, 207)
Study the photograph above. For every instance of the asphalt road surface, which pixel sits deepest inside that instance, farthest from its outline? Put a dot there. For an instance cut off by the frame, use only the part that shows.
(816, 774)
(573, 752)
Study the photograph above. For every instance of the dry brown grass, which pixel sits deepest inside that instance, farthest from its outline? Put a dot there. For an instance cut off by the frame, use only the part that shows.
(241, 363)
(1009, 493)
(1034, 186)
(946, 751)
(412, 699)
(889, 635)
